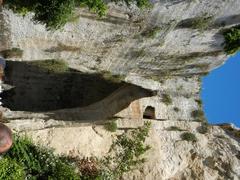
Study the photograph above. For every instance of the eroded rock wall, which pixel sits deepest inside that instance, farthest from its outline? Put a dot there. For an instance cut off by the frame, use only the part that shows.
(214, 156)
(166, 49)
(174, 38)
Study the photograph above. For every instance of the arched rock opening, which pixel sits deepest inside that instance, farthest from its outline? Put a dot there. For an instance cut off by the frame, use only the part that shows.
(68, 95)
(37, 89)
(149, 113)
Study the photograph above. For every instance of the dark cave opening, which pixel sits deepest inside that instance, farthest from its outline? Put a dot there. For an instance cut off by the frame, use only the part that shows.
(149, 113)
(37, 89)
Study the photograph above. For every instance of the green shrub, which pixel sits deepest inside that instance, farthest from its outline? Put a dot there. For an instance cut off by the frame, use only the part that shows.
(166, 99)
(203, 129)
(63, 171)
(187, 136)
(97, 6)
(21, 6)
(12, 53)
(51, 65)
(232, 40)
(56, 13)
(11, 170)
(139, 3)
(25, 160)
(39, 162)
(111, 126)
(125, 153)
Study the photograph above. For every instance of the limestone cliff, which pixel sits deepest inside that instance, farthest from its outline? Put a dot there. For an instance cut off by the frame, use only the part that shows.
(118, 66)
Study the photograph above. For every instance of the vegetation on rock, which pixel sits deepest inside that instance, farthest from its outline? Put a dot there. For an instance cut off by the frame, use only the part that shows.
(111, 126)
(201, 23)
(56, 13)
(203, 129)
(125, 153)
(166, 99)
(11, 170)
(198, 115)
(25, 160)
(232, 40)
(30, 161)
(187, 136)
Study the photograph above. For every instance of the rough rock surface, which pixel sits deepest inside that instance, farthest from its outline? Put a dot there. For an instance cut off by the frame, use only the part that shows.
(160, 52)
(214, 156)
(171, 39)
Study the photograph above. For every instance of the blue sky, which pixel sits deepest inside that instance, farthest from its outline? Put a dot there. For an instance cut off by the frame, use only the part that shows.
(221, 93)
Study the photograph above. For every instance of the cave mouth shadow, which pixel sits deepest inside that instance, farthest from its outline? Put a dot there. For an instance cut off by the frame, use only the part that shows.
(40, 88)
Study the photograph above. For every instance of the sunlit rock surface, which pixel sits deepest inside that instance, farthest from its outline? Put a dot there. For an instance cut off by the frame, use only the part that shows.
(121, 64)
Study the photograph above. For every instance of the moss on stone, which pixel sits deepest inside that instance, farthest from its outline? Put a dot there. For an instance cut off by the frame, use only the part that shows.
(51, 65)
(188, 136)
(166, 99)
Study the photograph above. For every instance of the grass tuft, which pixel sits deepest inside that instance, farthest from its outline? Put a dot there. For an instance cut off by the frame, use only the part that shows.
(166, 99)
(111, 126)
(187, 136)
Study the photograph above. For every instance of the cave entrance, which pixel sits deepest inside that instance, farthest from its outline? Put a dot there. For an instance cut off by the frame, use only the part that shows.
(149, 113)
(47, 85)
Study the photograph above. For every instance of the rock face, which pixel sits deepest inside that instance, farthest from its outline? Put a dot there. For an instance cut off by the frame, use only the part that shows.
(122, 64)
(215, 155)
(174, 38)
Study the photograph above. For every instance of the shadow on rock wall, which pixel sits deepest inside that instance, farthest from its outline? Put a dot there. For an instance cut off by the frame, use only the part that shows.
(40, 88)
